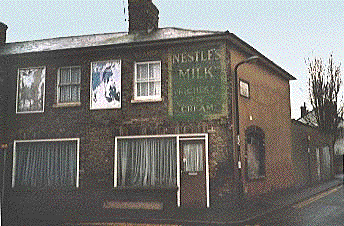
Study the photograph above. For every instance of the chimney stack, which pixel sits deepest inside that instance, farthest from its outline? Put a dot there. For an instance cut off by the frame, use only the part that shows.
(3, 29)
(143, 16)
(303, 110)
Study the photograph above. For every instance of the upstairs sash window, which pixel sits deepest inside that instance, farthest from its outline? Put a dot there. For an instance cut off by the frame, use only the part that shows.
(147, 81)
(69, 85)
(45, 164)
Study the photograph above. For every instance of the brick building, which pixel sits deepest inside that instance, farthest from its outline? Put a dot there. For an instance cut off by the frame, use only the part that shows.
(312, 154)
(141, 119)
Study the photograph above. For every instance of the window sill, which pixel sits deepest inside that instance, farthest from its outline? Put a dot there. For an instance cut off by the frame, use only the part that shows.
(21, 189)
(146, 100)
(147, 189)
(256, 178)
(63, 105)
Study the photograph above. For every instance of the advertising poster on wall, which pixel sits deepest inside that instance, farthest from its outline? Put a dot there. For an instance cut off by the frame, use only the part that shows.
(197, 84)
(30, 90)
(106, 84)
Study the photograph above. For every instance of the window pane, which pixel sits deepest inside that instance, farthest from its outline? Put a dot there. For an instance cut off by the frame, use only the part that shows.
(144, 89)
(63, 94)
(65, 76)
(154, 72)
(193, 157)
(151, 89)
(75, 75)
(154, 88)
(66, 94)
(75, 94)
(142, 72)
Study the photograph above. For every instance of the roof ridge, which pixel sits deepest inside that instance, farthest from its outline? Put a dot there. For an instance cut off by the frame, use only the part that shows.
(65, 37)
(197, 30)
(110, 33)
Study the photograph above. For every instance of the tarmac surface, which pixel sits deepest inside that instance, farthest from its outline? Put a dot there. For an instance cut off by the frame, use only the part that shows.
(238, 214)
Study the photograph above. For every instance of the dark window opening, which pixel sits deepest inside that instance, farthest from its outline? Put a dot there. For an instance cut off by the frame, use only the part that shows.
(255, 147)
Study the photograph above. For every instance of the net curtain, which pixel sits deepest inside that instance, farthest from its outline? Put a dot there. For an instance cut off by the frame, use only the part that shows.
(147, 162)
(45, 164)
(193, 155)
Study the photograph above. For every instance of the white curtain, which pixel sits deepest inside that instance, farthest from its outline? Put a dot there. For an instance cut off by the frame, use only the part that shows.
(148, 79)
(45, 164)
(142, 80)
(69, 85)
(193, 157)
(147, 162)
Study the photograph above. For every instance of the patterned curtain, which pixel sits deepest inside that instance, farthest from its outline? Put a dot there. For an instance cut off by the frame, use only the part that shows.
(147, 162)
(45, 164)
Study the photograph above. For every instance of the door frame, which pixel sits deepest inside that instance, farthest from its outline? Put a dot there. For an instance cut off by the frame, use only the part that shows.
(178, 137)
(197, 137)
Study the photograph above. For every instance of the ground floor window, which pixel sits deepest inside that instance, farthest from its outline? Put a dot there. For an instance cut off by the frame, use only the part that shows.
(146, 162)
(45, 163)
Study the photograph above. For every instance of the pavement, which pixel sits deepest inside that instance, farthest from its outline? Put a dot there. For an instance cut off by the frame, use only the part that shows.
(230, 213)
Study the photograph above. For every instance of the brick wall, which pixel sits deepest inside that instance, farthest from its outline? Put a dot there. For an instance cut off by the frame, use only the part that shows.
(306, 140)
(98, 128)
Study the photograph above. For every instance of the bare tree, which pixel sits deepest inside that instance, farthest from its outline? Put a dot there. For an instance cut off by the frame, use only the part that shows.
(324, 86)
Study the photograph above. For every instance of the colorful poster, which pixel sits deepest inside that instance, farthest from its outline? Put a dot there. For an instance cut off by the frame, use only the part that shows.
(30, 90)
(106, 84)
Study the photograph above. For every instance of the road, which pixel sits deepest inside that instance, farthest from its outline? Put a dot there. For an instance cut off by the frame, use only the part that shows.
(326, 208)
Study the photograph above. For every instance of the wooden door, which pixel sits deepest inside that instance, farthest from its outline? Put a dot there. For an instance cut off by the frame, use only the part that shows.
(193, 192)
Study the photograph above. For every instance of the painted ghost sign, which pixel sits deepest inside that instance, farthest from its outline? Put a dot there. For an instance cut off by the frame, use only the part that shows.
(31, 90)
(106, 84)
(197, 84)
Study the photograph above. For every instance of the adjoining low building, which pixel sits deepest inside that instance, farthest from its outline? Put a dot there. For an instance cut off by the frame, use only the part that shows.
(313, 150)
(312, 154)
(145, 119)
(339, 151)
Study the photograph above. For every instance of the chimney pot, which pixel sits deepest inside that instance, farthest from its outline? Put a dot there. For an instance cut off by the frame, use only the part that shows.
(3, 29)
(303, 110)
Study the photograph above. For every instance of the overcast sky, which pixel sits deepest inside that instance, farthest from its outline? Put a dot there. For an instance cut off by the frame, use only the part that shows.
(287, 32)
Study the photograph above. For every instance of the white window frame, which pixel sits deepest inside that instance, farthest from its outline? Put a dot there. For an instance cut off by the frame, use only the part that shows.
(178, 137)
(146, 98)
(244, 88)
(58, 87)
(48, 140)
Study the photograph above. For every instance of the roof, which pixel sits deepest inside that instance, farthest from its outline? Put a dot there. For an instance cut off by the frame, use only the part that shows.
(309, 119)
(123, 38)
(98, 40)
